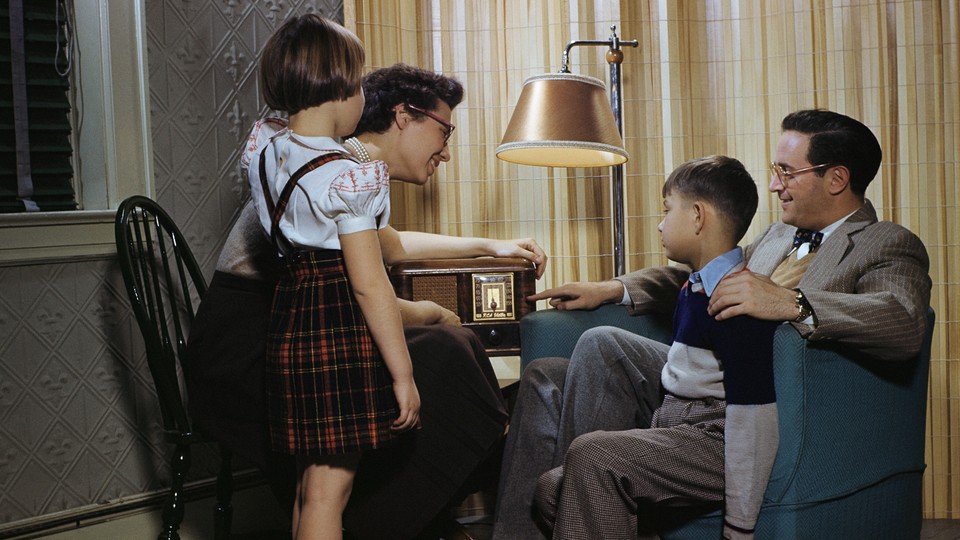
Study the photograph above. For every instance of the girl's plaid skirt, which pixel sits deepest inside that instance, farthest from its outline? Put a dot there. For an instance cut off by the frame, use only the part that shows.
(328, 389)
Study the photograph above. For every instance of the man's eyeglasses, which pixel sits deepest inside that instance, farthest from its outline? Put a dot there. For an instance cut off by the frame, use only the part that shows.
(448, 127)
(784, 175)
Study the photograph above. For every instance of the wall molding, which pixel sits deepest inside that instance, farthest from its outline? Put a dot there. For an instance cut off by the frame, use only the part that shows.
(94, 514)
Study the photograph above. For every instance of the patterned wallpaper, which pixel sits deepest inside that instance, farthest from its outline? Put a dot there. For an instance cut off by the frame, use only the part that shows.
(204, 97)
(79, 423)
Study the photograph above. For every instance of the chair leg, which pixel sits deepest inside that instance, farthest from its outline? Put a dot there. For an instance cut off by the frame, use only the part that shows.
(173, 509)
(223, 513)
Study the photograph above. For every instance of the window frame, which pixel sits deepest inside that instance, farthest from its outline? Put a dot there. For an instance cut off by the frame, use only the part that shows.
(113, 156)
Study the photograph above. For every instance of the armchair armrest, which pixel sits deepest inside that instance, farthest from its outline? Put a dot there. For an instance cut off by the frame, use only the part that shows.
(845, 423)
(552, 332)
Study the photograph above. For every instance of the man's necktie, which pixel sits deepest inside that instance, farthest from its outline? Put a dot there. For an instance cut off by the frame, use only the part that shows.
(791, 270)
(804, 236)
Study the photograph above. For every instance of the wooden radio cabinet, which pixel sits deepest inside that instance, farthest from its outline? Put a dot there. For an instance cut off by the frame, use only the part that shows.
(487, 293)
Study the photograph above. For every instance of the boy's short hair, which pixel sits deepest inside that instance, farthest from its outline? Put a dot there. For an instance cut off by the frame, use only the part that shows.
(722, 182)
(308, 61)
(837, 139)
(402, 84)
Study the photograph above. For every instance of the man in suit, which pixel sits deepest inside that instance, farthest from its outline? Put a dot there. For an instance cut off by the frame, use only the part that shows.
(829, 268)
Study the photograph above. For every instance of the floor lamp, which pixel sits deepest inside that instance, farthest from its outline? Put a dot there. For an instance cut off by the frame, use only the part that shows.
(564, 120)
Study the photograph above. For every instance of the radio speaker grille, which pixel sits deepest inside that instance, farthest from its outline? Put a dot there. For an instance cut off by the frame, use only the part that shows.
(439, 289)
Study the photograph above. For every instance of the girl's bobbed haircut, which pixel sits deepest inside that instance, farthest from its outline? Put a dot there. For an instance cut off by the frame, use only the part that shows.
(308, 61)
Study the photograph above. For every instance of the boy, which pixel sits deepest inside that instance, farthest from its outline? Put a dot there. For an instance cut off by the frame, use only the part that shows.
(719, 410)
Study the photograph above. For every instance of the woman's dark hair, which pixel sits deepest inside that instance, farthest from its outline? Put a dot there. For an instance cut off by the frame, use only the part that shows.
(837, 139)
(387, 87)
(309, 61)
(721, 181)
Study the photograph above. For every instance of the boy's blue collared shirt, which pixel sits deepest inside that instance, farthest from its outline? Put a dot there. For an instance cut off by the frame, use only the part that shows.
(710, 275)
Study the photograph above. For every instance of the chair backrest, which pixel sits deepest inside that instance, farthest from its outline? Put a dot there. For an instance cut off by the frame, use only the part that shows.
(164, 284)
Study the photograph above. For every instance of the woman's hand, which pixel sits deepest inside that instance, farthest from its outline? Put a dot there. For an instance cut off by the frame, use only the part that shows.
(425, 313)
(526, 248)
(408, 399)
(398, 246)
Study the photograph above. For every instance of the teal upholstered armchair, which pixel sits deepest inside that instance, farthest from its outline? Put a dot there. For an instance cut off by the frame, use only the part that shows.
(850, 462)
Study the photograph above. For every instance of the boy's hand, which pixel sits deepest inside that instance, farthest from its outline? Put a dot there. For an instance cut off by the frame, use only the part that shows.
(581, 294)
(408, 399)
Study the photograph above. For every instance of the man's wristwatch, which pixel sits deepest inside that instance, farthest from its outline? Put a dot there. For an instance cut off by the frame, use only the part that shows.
(804, 310)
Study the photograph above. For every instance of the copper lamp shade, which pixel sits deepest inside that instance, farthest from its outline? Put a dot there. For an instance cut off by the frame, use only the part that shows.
(563, 120)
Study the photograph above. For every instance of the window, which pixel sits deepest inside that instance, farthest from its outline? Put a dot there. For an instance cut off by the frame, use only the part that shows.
(112, 157)
(35, 110)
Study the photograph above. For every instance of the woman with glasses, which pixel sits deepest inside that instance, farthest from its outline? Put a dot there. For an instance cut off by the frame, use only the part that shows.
(405, 122)
(400, 492)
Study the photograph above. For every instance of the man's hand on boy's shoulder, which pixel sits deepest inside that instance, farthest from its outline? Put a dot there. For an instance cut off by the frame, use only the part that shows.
(749, 293)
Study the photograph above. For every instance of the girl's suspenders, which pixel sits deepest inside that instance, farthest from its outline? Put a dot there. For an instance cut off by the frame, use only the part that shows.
(276, 211)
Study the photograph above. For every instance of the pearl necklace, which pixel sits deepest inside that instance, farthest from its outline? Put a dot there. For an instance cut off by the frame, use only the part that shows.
(358, 149)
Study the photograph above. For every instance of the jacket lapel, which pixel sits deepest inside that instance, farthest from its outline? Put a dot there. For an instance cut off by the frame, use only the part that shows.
(771, 249)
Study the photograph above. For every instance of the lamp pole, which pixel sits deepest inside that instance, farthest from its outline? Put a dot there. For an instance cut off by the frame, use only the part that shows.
(614, 57)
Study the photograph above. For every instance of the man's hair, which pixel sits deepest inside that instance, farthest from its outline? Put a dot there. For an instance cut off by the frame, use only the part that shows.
(308, 61)
(402, 84)
(837, 139)
(721, 181)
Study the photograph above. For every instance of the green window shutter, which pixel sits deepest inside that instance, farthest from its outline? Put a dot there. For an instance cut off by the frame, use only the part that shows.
(48, 111)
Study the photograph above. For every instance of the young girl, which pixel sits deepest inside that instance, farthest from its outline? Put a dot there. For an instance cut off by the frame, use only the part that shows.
(339, 377)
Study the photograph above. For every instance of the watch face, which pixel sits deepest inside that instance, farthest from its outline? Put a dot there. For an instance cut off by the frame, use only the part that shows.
(803, 308)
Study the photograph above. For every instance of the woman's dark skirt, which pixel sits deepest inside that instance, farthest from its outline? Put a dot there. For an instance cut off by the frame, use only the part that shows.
(224, 367)
(399, 490)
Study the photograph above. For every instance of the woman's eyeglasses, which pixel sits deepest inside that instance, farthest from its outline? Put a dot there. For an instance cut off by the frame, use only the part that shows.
(447, 126)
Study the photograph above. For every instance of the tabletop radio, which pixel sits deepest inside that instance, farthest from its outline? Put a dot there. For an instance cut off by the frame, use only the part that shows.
(489, 294)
